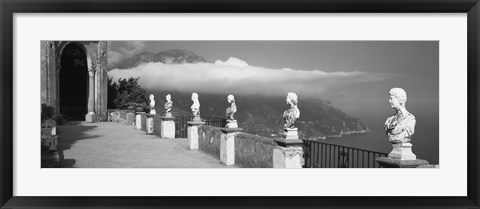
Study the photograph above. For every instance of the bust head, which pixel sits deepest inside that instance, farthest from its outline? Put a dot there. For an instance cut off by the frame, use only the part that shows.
(230, 98)
(152, 97)
(292, 98)
(168, 97)
(194, 96)
(398, 97)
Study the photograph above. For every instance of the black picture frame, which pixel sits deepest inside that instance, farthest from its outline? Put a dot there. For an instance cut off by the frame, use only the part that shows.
(9, 7)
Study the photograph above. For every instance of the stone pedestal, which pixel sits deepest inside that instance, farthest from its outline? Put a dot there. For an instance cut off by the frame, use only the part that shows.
(91, 117)
(290, 133)
(167, 127)
(289, 152)
(192, 132)
(227, 145)
(130, 118)
(197, 119)
(402, 151)
(139, 120)
(231, 124)
(386, 162)
(149, 123)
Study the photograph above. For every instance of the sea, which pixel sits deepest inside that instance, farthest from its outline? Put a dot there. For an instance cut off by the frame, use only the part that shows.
(425, 140)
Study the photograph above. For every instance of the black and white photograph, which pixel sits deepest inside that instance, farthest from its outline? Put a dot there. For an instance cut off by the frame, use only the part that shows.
(239, 104)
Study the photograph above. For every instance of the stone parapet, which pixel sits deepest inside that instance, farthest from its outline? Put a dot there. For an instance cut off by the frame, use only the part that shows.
(130, 119)
(252, 151)
(288, 142)
(209, 140)
(143, 121)
(157, 129)
(386, 162)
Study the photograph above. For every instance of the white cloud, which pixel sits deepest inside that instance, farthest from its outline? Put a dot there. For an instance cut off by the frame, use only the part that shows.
(238, 77)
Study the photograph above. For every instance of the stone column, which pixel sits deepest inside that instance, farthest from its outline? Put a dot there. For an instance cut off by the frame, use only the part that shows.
(227, 145)
(102, 67)
(91, 117)
(57, 78)
(167, 128)
(91, 91)
(289, 152)
(192, 132)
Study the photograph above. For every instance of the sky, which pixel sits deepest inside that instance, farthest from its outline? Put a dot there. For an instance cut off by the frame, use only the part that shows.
(354, 75)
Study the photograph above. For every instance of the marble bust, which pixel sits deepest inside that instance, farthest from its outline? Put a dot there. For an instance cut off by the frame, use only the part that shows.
(152, 104)
(195, 106)
(400, 126)
(168, 106)
(232, 109)
(292, 114)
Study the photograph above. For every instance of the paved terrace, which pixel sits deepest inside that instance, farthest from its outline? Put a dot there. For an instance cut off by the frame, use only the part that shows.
(114, 145)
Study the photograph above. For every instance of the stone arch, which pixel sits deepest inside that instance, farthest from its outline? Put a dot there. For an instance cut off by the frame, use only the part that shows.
(72, 81)
(96, 58)
(62, 46)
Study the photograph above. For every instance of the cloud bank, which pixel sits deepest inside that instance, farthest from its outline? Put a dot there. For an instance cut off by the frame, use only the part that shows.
(238, 77)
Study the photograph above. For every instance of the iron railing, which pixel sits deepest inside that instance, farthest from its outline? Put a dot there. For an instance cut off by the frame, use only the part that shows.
(324, 155)
(181, 124)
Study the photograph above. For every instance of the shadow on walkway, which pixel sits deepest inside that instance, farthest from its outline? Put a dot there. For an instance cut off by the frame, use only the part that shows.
(115, 145)
(70, 133)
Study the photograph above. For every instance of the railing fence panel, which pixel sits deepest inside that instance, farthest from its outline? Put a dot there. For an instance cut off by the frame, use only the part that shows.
(181, 124)
(319, 154)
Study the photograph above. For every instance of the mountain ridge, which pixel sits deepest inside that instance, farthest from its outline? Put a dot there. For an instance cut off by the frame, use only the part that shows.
(170, 56)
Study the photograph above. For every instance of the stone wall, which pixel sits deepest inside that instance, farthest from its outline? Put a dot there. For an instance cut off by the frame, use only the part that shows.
(119, 116)
(144, 122)
(251, 151)
(157, 129)
(209, 140)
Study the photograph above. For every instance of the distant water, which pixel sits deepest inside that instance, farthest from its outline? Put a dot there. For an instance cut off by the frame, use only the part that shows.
(425, 139)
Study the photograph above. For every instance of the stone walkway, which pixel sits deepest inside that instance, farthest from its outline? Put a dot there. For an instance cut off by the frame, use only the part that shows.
(114, 145)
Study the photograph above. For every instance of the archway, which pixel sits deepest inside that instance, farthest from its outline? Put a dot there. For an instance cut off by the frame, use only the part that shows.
(73, 82)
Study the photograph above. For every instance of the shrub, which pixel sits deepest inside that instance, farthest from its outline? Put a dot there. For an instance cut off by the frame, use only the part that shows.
(59, 119)
(47, 112)
(126, 92)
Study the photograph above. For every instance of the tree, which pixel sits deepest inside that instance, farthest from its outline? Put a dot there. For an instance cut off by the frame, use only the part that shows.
(112, 93)
(125, 93)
